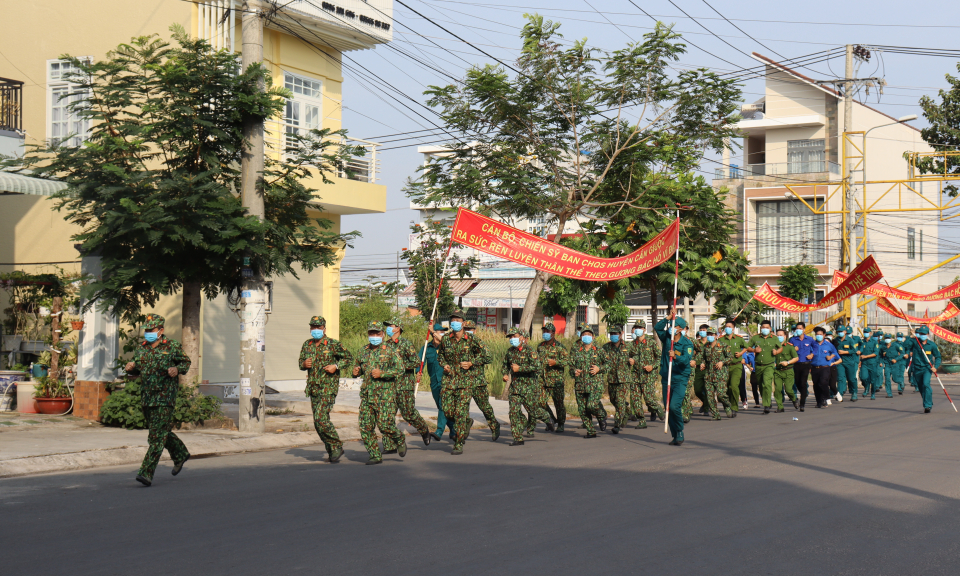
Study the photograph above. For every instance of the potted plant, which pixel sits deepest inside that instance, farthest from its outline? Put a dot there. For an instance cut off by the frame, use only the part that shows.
(76, 325)
(51, 396)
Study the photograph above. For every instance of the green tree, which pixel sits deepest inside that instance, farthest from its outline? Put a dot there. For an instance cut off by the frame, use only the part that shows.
(798, 281)
(426, 263)
(943, 133)
(154, 186)
(542, 142)
(563, 296)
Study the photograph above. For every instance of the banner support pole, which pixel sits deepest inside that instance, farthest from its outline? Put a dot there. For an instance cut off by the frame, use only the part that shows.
(673, 325)
(436, 299)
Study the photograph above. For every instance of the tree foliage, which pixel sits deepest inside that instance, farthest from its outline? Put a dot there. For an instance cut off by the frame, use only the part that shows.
(426, 263)
(798, 281)
(943, 133)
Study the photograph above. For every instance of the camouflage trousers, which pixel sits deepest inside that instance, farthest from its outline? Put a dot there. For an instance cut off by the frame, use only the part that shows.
(620, 398)
(538, 396)
(646, 390)
(589, 406)
(715, 389)
(322, 403)
(407, 406)
(481, 396)
(559, 396)
(160, 422)
(531, 400)
(456, 407)
(687, 408)
(378, 410)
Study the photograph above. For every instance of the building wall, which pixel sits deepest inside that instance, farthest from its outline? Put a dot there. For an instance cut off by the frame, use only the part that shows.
(787, 96)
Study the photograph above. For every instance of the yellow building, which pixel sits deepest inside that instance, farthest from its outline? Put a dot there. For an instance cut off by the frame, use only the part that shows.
(303, 46)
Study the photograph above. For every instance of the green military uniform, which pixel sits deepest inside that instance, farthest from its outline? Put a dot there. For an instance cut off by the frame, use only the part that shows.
(869, 366)
(783, 376)
(645, 352)
(849, 349)
(458, 382)
(619, 377)
(764, 362)
(524, 386)
(588, 387)
(322, 386)
(406, 383)
(674, 373)
(736, 343)
(158, 396)
(699, 374)
(553, 376)
(897, 361)
(926, 359)
(480, 390)
(378, 407)
(714, 378)
(888, 353)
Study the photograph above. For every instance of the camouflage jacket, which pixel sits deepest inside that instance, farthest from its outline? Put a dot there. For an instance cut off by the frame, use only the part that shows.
(384, 358)
(324, 352)
(617, 357)
(157, 388)
(710, 354)
(552, 376)
(454, 351)
(411, 362)
(483, 358)
(582, 357)
(645, 353)
(527, 377)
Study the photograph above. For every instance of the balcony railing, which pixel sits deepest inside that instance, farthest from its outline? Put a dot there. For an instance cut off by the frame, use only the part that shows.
(753, 111)
(776, 169)
(11, 105)
(362, 169)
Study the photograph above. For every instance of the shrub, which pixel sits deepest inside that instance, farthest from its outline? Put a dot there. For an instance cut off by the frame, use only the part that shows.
(123, 408)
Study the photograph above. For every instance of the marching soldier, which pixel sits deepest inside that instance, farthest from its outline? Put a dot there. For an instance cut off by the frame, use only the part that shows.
(406, 401)
(737, 346)
(587, 363)
(521, 369)
(458, 355)
(870, 363)
(381, 367)
(159, 361)
(553, 357)
(619, 376)
(644, 357)
(764, 347)
(323, 358)
(480, 391)
(783, 377)
(699, 376)
(715, 357)
(680, 355)
(898, 360)
(849, 348)
(926, 361)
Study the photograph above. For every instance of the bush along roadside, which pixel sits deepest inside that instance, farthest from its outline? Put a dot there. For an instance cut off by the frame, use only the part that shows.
(123, 408)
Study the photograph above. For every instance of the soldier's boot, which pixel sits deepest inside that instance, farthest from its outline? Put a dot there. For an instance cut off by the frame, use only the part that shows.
(146, 482)
(335, 455)
(456, 452)
(591, 435)
(402, 449)
(178, 467)
(426, 438)
(517, 443)
(495, 429)
(602, 423)
(642, 424)
(373, 461)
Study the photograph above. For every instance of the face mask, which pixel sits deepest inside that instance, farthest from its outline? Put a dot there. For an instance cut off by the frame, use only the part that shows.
(841, 334)
(578, 333)
(389, 330)
(376, 340)
(900, 339)
(819, 337)
(923, 337)
(728, 330)
(781, 338)
(638, 333)
(798, 332)
(614, 338)
(887, 340)
(151, 336)
(515, 342)
(711, 338)
(316, 333)
(456, 326)
(470, 332)
(547, 336)
(877, 337)
(703, 333)
(765, 331)
(587, 339)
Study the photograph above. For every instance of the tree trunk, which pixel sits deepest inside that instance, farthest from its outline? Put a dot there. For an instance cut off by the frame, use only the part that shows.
(56, 313)
(570, 331)
(530, 306)
(191, 329)
(653, 302)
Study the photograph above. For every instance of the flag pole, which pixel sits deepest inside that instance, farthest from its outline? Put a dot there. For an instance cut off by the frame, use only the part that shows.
(930, 364)
(436, 299)
(673, 325)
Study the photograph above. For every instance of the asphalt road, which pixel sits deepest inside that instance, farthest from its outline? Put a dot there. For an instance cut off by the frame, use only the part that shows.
(867, 488)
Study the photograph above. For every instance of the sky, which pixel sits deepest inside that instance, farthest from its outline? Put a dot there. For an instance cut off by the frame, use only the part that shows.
(720, 36)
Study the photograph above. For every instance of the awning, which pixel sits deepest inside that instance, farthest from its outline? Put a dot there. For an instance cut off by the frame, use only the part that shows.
(498, 293)
(458, 287)
(11, 183)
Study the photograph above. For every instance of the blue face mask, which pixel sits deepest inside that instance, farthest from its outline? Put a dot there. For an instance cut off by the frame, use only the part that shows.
(819, 337)
(901, 339)
(703, 333)
(923, 337)
(798, 333)
(711, 338)
(389, 330)
(587, 339)
(887, 340)
(151, 336)
(376, 340)
(841, 334)
(578, 333)
(515, 342)
(781, 338)
(638, 333)
(614, 338)
(876, 337)
(728, 330)
(765, 331)
(316, 333)
(456, 326)
(673, 330)
(547, 336)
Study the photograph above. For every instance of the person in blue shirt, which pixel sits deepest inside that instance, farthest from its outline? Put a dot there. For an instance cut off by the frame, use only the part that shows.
(825, 355)
(681, 357)
(926, 361)
(750, 361)
(801, 370)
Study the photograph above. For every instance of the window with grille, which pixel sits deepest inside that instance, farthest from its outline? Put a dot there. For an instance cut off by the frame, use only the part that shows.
(911, 244)
(65, 126)
(789, 233)
(806, 156)
(302, 112)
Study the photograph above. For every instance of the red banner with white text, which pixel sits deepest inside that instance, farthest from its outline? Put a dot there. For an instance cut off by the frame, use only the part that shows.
(945, 334)
(864, 275)
(951, 311)
(487, 235)
(946, 293)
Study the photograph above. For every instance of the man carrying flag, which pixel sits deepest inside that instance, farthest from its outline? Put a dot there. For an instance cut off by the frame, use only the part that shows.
(926, 361)
(680, 354)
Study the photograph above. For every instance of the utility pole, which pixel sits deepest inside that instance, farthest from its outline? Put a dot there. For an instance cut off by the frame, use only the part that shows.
(253, 300)
(849, 195)
(396, 287)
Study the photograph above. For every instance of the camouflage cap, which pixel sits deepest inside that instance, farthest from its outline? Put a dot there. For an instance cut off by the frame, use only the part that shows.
(375, 327)
(584, 327)
(549, 327)
(457, 313)
(395, 321)
(153, 322)
(640, 324)
(712, 330)
(614, 329)
(470, 325)
(317, 321)
(922, 330)
(518, 332)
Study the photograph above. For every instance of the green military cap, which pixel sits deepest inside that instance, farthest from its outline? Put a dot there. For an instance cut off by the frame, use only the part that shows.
(712, 331)
(153, 321)
(888, 335)
(640, 324)
(470, 325)
(584, 327)
(922, 330)
(866, 330)
(899, 334)
(523, 333)
(375, 327)
(841, 328)
(458, 313)
(829, 332)
(512, 331)
(317, 321)
(614, 329)
(549, 327)
(395, 321)
(438, 327)
(681, 323)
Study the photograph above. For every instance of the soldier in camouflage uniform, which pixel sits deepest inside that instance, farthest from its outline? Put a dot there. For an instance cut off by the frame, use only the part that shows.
(619, 376)
(713, 360)
(645, 357)
(480, 391)
(406, 401)
(587, 363)
(159, 361)
(553, 358)
(459, 356)
(323, 358)
(699, 376)
(380, 367)
(521, 369)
